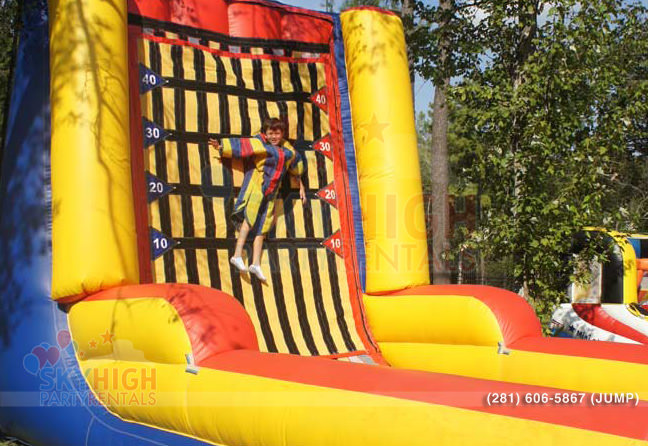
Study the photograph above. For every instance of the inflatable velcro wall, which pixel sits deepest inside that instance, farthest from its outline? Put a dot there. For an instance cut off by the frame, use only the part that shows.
(122, 320)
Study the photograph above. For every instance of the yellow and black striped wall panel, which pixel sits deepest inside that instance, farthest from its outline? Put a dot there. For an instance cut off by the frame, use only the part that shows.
(210, 88)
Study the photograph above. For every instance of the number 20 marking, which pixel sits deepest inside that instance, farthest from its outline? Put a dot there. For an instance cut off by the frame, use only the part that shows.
(156, 187)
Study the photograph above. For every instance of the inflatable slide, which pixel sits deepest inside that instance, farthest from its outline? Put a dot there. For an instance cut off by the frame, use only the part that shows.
(612, 305)
(123, 321)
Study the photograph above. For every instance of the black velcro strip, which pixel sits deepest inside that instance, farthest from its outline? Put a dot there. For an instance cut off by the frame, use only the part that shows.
(230, 243)
(280, 299)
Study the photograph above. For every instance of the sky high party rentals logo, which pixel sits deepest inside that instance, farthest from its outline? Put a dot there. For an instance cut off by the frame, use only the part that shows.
(62, 384)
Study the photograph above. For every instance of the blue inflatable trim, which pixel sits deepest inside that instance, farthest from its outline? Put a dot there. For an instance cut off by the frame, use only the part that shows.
(349, 147)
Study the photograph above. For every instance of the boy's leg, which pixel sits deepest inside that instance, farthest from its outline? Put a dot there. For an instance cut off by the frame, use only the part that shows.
(255, 266)
(240, 241)
(257, 247)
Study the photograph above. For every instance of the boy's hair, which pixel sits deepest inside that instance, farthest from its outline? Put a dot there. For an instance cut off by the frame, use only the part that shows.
(274, 124)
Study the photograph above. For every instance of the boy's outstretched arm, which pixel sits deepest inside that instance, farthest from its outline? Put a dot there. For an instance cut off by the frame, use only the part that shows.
(241, 147)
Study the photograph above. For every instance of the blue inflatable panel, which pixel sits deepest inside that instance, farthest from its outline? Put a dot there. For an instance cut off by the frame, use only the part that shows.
(349, 147)
(44, 399)
(30, 358)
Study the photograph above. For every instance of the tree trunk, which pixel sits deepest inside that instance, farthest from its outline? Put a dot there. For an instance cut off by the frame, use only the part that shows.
(529, 23)
(440, 211)
(478, 213)
(440, 177)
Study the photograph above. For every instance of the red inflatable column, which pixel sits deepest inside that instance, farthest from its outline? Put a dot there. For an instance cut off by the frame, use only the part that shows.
(155, 9)
(306, 28)
(256, 21)
(212, 15)
(205, 14)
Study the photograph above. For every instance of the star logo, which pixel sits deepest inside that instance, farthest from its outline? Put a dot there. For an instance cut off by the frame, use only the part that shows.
(373, 129)
(92, 344)
(107, 337)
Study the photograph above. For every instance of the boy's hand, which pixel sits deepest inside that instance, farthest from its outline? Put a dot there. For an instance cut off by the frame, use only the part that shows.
(216, 145)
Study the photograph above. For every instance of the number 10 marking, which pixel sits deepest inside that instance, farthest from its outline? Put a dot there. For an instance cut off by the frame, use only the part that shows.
(160, 243)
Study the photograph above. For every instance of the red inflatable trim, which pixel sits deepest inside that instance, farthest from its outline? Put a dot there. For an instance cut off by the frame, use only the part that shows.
(255, 19)
(515, 316)
(341, 184)
(614, 351)
(215, 321)
(140, 189)
(287, 8)
(435, 388)
(595, 315)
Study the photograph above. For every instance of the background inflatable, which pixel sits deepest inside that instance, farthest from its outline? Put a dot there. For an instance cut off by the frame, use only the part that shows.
(612, 305)
(123, 321)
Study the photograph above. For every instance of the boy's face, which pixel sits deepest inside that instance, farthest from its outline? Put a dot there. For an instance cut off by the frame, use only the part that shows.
(274, 136)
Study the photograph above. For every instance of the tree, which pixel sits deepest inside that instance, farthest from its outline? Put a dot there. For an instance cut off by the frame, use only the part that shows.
(9, 21)
(552, 104)
(440, 170)
(328, 5)
(439, 40)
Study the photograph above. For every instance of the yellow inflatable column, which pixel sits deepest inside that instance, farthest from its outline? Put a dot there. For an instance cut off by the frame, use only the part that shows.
(93, 234)
(386, 152)
(630, 294)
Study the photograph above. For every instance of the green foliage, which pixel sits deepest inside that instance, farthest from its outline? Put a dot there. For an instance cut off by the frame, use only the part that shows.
(454, 29)
(554, 110)
(462, 153)
(8, 30)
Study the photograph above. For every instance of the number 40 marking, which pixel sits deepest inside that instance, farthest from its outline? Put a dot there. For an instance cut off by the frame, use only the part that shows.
(149, 79)
(320, 98)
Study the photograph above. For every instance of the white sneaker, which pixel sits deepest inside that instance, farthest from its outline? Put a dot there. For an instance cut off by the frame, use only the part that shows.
(256, 270)
(238, 263)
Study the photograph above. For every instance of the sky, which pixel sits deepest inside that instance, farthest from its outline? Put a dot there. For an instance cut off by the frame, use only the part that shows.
(423, 90)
